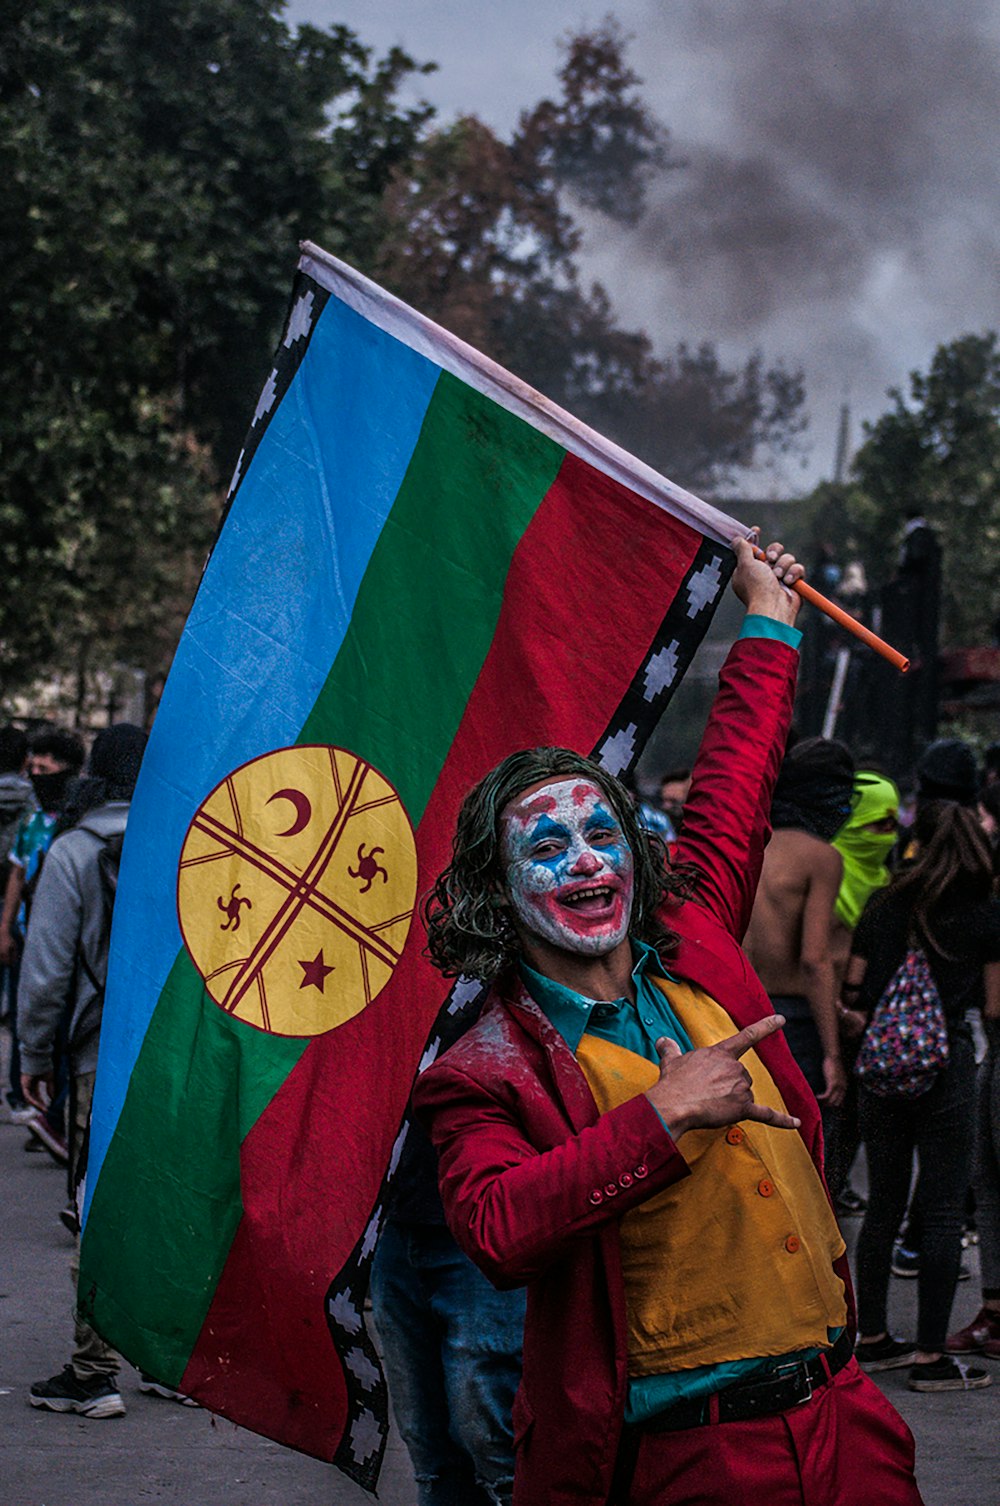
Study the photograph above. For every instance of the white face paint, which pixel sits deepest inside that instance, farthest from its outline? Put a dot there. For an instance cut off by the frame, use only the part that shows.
(568, 867)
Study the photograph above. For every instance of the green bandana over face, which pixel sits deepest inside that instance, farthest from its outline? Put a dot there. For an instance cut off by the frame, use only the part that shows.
(864, 852)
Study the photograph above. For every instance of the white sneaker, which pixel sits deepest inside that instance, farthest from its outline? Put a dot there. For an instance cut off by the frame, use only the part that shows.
(155, 1388)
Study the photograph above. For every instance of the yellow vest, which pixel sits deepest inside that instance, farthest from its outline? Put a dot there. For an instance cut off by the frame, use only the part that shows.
(736, 1261)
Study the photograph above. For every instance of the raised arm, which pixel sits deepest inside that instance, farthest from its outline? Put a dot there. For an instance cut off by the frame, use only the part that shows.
(727, 814)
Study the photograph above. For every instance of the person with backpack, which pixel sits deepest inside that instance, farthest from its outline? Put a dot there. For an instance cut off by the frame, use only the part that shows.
(917, 966)
(55, 757)
(63, 971)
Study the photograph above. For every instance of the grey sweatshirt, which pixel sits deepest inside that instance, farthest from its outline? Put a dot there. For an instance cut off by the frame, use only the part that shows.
(68, 917)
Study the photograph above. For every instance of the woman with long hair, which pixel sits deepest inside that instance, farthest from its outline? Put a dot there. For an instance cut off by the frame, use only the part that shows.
(941, 907)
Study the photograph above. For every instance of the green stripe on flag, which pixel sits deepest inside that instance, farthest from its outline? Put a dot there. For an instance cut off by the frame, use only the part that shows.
(208, 1077)
(429, 602)
(422, 625)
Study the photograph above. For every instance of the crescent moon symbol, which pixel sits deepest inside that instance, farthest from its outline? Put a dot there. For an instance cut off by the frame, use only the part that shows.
(303, 810)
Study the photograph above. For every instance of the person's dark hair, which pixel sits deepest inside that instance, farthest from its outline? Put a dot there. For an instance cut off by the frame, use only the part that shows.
(58, 743)
(112, 771)
(814, 791)
(947, 770)
(954, 867)
(13, 750)
(116, 758)
(469, 930)
(675, 776)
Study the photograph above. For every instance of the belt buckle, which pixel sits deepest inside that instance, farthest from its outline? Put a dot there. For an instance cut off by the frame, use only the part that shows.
(801, 1366)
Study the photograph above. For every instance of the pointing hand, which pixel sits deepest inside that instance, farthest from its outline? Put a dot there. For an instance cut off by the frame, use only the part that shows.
(710, 1086)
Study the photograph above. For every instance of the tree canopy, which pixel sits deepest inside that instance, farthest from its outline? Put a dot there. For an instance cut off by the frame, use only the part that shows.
(163, 158)
(936, 453)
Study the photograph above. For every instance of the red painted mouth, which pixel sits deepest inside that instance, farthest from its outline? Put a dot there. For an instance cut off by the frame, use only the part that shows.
(595, 900)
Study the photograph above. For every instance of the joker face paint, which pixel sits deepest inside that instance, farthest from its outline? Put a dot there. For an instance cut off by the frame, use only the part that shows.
(568, 867)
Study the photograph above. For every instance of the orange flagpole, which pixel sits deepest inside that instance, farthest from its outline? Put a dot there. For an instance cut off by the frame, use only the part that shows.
(845, 620)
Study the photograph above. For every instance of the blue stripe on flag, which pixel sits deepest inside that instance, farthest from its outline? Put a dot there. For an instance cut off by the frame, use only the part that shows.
(248, 671)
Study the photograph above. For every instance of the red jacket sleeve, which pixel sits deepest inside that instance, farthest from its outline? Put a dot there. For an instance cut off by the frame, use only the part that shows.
(727, 814)
(515, 1210)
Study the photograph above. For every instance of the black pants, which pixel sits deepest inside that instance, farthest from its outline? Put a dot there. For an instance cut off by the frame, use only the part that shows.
(841, 1130)
(938, 1126)
(805, 1045)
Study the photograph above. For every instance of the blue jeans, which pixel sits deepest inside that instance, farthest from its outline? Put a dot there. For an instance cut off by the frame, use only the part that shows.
(452, 1350)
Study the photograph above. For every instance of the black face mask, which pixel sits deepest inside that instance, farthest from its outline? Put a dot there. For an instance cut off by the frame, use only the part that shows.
(50, 789)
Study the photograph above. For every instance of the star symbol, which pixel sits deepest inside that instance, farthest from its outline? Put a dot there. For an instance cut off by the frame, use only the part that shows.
(315, 972)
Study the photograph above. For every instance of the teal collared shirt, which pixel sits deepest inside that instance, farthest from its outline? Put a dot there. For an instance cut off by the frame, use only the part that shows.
(636, 1026)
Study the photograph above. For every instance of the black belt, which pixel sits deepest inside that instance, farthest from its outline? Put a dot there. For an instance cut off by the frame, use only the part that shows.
(761, 1396)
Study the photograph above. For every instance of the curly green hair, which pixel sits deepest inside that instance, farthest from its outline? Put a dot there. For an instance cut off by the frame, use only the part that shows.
(469, 930)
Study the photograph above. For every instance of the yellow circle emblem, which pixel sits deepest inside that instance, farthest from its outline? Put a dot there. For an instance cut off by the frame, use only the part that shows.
(296, 887)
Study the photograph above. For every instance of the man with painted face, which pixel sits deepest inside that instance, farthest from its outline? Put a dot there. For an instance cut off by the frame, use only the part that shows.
(624, 1130)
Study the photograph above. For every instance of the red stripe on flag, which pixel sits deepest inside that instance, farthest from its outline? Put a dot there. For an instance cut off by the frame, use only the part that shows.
(589, 583)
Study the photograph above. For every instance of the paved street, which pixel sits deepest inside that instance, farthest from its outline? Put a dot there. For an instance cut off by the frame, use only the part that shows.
(161, 1452)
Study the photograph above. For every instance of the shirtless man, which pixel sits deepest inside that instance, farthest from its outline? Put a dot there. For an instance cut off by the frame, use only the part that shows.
(789, 937)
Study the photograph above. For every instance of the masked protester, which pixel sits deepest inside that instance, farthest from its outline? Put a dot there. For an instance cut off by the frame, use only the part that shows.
(54, 760)
(864, 842)
(789, 939)
(61, 995)
(625, 1133)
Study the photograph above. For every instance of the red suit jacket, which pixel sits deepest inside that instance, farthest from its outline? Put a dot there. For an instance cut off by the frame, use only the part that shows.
(534, 1180)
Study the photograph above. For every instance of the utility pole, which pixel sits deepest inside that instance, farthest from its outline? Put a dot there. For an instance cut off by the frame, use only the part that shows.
(843, 442)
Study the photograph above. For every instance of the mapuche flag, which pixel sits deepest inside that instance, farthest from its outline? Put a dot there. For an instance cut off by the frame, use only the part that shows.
(424, 566)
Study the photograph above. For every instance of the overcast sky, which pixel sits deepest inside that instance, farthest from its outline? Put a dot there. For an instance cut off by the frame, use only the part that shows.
(841, 203)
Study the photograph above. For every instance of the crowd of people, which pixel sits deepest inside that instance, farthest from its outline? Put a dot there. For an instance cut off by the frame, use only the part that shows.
(64, 817)
(612, 1234)
(864, 904)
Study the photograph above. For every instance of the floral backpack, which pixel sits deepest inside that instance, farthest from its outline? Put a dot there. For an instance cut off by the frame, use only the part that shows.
(906, 1042)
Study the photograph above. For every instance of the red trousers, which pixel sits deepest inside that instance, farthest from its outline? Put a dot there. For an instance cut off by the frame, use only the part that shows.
(847, 1446)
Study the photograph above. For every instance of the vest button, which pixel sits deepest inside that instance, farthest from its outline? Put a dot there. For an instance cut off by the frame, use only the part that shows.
(793, 1244)
(642, 1171)
(625, 1180)
(597, 1196)
(765, 1188)
(611, 1189)
(734, 1135)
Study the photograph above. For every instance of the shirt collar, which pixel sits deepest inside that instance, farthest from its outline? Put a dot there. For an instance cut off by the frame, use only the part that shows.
(569, 1011)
